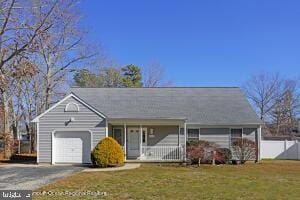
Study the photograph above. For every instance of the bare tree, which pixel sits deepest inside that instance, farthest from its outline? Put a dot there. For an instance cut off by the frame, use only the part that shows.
(276, 100)
(19, 30)
(61, 49)
(154, 76)
(286, 109)
(263, 90)
(13, 79)
(43, 31)
(110, 77)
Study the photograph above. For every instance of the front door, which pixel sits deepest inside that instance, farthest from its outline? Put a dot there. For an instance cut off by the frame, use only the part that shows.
(133, 143)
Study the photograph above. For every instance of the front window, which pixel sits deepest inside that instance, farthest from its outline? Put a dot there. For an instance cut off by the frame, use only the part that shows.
(236, 134)
(144, 136)
(117, 135)
(193, 134)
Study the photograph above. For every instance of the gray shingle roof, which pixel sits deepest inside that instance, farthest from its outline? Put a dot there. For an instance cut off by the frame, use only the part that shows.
(207, 106)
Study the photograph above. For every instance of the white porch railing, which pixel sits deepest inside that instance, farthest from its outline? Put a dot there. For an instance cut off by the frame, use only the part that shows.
(162, 153)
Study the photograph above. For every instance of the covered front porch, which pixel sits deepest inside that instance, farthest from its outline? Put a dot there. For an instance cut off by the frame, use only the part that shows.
(150, 140)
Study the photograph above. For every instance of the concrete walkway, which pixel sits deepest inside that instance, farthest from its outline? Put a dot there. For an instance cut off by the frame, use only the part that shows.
(127, 166)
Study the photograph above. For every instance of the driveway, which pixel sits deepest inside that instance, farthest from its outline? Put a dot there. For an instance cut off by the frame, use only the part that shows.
(32, 177)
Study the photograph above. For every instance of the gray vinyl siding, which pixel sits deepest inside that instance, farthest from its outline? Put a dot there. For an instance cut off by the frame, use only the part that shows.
(56, 119)
(220, 136)
(163, 136)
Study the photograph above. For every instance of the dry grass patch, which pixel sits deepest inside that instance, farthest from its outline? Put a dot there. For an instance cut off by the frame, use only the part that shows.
(267, 180)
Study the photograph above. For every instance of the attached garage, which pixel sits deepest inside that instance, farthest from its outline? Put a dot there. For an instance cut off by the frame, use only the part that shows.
(71, 147)
(68, 131)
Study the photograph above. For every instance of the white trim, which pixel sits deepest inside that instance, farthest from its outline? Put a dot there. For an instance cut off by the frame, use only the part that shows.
(52, 148)
(53, 141)
(125, 141)
(36, 119)
(66, 108)
(184, 152)
(259, 143)
(37, 142)
(106, 128)
(145, 122)
(222, 125)
(141, 139)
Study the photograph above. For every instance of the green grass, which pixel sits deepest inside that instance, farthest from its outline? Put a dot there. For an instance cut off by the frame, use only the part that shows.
(267, 180)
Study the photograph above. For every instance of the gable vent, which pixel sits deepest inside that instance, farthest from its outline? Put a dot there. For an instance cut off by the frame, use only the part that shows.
(72, 107)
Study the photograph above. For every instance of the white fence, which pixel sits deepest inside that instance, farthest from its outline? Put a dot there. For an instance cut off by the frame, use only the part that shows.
(283, 149)
(167, 153)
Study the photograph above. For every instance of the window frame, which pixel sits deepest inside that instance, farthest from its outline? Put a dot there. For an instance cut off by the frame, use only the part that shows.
(122, 131)
(72, 103)
(193, 138)
(145, 130)
(230, 135)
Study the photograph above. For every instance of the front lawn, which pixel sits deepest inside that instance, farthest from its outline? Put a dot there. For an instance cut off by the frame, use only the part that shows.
(267, 180)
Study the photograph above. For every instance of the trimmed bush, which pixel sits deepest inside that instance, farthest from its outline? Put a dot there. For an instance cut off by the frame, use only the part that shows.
(202, 151)
(244, 149)
(195, 152)
(107, 153)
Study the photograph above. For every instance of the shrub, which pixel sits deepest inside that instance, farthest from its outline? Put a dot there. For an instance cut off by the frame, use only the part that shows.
(192, 142)
(244, 150)
(202, 152)
(107, 153)
(195, 152)
(223, 155)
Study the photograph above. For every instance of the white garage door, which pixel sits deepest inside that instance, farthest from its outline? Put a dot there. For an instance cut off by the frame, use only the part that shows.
(72, 147)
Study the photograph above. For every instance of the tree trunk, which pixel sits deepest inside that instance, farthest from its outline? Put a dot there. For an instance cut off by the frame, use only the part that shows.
(6, 127)
(48, 96)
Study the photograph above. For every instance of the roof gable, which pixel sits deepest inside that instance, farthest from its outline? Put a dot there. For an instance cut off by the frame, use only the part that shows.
(71, 95)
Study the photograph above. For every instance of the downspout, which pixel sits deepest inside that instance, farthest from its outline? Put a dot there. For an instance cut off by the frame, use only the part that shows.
(37, 142)
(184, 151)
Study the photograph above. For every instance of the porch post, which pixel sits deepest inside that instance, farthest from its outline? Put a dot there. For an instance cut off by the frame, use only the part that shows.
(179, 135)
(141, 140)
(125, 145)
(258, 143)
(106, 128)
(184, 155)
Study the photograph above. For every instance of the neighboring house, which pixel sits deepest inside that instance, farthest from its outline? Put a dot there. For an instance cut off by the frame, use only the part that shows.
(23, 136)
(151, 124)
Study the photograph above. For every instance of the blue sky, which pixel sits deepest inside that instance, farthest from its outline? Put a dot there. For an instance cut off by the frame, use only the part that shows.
(200, 43)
